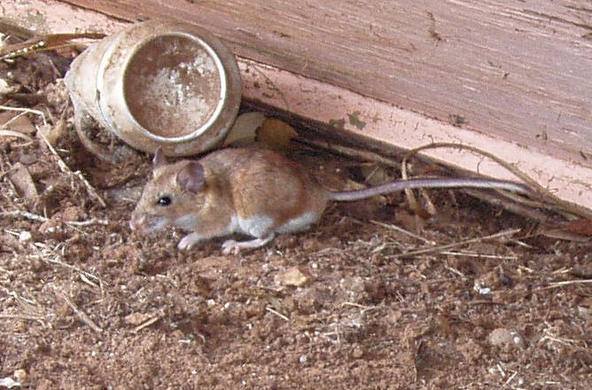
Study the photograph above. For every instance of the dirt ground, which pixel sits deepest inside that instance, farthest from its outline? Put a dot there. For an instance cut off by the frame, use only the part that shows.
(86, 304)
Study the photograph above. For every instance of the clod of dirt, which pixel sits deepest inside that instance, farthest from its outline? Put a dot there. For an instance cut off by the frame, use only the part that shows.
(354, 289)
(310, 300)
(470, 350)
(505, 337)
(294, 276)
(21, 375)
(23, 182)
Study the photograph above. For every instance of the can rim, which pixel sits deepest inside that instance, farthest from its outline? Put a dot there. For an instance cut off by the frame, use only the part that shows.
(223, 89)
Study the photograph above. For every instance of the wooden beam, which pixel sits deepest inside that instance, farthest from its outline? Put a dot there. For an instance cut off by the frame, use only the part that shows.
(518, 70)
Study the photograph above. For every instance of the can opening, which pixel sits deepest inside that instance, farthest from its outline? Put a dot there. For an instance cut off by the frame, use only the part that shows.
(172, 86)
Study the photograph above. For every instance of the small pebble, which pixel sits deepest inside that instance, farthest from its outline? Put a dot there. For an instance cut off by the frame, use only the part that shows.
(20, 375)
(502, 336)
(25, 236)
(294, 276)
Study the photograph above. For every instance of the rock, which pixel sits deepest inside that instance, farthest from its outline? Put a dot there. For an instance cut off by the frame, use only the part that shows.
(23, 182)
(505, 337)
(21, 375)
(294, 276)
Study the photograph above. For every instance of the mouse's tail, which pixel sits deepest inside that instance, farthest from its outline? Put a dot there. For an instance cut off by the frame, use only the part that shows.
(400, 185)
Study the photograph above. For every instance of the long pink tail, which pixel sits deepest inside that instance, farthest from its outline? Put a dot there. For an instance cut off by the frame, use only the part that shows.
(400, 185)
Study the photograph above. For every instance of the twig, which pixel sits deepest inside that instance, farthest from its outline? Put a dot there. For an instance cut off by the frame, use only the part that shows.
(17, 134)
(439, 248)
(355, 305)
(20, 317)
(455, 271)
(27, 307)
(364, 308)
(22, 109)
(349, 152)
(567, 206)
(571, 343)
(64, 168)
(569, 282)
(511, 378)
(283, 317)
(81, 315)
(147, 323)
(92, 221)
(401, 230)
(522, 244)
(92, 284)
(14, 118)
(24, 214)
(40, 218)
(523, 268)
(470, 254)
(58, 261)
(525, 211)
(409, 193)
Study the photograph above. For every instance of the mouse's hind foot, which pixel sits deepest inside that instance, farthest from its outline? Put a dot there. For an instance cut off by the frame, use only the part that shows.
(234, 247)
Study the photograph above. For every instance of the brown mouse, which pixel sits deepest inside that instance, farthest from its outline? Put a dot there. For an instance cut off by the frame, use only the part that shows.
(255, 192)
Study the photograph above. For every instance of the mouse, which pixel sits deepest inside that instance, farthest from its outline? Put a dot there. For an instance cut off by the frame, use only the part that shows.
(254, 192)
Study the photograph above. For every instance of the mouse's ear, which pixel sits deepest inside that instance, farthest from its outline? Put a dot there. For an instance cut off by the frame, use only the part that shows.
(159, 158)
(191, 177)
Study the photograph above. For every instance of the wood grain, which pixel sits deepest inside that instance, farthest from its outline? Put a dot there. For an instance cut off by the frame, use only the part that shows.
(518, 70)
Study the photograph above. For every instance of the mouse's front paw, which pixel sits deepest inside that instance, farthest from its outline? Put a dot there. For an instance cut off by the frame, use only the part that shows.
(231, 247)
(188, 241)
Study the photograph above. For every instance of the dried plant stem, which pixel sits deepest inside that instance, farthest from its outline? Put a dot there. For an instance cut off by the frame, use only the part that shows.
(480, 255)
(569, 282)
(147, 323)
(349, 152)
(45, 250)
(440, 248)
(92, 221)
(277, 313)
(525, 211)
(21, 317)
(81, 315)
(40, 218)
(23, 214)
(562, 204)
(28, 110)
(16, 134)
(401, 230)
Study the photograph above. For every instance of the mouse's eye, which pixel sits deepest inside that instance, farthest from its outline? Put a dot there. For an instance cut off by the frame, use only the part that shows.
(164, 201)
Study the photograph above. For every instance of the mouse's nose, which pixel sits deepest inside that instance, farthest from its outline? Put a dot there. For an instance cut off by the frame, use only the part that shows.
(136, 222)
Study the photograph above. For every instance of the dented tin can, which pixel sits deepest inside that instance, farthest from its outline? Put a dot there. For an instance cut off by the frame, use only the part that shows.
(157, 84)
